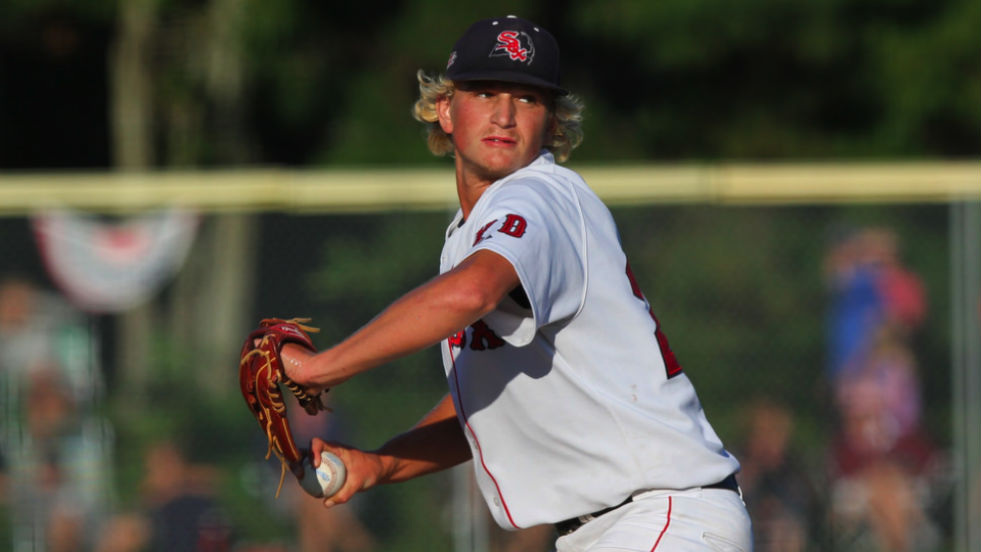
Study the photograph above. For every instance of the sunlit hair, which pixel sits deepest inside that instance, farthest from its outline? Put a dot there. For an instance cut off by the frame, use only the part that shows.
(567, 111)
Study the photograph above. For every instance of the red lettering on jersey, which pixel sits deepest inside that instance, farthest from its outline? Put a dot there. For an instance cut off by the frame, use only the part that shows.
(480, 233)
(671, 364)
(514, 225)
(483, 337)
(459, 339)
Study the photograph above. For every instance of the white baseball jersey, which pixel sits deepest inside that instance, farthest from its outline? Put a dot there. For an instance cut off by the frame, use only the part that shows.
(571, 402)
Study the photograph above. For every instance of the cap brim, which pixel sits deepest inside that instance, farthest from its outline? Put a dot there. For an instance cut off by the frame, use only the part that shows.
(508, 76)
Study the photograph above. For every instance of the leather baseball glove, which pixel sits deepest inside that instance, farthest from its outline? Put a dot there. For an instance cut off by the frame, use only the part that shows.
(260, 373)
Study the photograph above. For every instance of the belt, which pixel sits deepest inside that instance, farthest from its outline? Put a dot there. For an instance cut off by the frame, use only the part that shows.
(570, 525)
(729, 484)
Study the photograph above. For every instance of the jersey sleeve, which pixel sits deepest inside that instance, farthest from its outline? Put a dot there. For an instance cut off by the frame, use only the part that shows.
(539, 230)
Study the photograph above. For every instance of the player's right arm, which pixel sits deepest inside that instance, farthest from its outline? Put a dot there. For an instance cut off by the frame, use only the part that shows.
(435, 443)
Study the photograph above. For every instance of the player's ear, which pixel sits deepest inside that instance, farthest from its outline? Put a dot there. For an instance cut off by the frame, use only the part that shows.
(443, 114)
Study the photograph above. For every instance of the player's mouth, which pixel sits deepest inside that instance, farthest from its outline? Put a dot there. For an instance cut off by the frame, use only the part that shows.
(499, 141)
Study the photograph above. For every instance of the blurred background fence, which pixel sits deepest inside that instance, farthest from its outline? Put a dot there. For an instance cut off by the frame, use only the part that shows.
(797, 186)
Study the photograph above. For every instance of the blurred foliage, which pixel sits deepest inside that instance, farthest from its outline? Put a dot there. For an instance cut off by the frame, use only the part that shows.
(679, 79)
(333, 83)
(777, 79)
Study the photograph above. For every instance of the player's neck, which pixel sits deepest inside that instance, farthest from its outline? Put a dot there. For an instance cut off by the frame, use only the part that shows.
(469, 188)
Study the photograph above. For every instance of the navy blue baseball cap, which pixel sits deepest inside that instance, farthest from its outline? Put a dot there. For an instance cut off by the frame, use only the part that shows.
(506, 49)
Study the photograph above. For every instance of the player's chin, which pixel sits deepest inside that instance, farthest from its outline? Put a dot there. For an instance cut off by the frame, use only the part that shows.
(502, 163)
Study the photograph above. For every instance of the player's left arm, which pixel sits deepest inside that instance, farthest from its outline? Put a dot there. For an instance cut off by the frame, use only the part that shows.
(423, 317)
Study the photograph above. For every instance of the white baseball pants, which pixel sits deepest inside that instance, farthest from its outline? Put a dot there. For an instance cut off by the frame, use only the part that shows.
(704, 520)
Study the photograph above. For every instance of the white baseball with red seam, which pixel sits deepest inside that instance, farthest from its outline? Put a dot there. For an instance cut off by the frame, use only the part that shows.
(327, 479)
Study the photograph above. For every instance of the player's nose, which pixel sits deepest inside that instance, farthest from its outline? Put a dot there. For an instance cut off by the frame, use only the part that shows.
(503, 110)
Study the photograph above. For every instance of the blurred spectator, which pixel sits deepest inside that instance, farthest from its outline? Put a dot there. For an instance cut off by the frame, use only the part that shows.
(855, 304)
(777, 488)
(882, 463)
(882, 507)
(883, 472)
(54, 441)
(885, 395)
(183, 511)
(872, 294)
(876, 305)
(50, 419)
(124, 533)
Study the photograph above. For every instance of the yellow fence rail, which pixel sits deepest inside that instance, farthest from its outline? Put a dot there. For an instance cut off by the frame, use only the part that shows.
(374, 189)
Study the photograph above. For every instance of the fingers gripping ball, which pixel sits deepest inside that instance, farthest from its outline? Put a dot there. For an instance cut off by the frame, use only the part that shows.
(261, 373)
(325, 480)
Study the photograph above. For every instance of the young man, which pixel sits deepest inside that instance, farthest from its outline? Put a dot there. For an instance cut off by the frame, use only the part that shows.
(563, 390)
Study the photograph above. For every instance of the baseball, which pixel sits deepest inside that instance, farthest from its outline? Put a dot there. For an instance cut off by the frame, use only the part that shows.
(327, 479)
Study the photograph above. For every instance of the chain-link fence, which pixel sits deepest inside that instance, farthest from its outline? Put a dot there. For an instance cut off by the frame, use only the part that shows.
(834, 348)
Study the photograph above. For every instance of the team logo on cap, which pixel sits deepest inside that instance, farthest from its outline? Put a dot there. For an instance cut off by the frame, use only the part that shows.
(514, 44)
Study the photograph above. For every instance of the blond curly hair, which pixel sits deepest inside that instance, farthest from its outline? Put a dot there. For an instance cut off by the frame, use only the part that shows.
(567, 110)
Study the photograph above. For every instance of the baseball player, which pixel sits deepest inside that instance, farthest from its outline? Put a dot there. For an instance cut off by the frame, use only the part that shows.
(562, 387)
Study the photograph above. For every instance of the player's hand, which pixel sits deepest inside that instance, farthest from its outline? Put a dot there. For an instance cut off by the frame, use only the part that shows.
(364, 469)
(295, 359)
